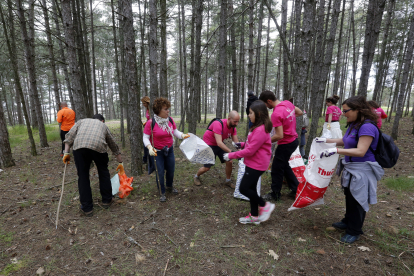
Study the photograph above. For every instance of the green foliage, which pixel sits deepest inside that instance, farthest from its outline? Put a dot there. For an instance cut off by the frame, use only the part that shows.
(18, 134)
(400, 183)
(12, 268)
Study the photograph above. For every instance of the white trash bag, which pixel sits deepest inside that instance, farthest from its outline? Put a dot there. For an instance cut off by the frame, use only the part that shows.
(197, 151)
(326, 133)
(317, 175)
(115, 184)
(240, 174)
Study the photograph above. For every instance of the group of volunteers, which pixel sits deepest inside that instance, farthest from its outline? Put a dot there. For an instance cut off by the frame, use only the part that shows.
(360, 171)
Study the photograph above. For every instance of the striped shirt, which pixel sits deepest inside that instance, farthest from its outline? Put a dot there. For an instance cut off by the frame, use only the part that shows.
(92, 134)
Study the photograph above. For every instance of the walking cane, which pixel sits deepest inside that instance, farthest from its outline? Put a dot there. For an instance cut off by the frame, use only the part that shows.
(61, 195)
(155, 161)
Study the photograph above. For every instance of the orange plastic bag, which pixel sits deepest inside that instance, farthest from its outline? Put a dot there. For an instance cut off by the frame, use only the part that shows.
(125, 186)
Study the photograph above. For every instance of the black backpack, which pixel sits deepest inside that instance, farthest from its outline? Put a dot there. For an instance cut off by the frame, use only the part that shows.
(387, 152)
(153, 122)
(216, 119)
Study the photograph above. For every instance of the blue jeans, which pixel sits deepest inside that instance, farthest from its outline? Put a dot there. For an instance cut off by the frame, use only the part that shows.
(166, 163)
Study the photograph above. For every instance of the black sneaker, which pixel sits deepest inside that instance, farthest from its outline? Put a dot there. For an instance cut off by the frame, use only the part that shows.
(172, 190)
(163, 198)
(340, 225)
(292, 195)
(271, 197)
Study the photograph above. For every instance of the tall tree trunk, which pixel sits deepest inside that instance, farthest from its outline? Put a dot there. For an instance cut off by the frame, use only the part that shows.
(241, 65)
(153, 54)
(233, 60)
(250, 84)
(6, 157)
(381, 63)
(373, 25)
(259, 47)
(163, 53)
(354, 52)
(222, 57)
(397, 77)
(338, 66)
(407, 64)
(131, 77)
(325, 69)
(93, 60)
(286, 92)
(58, 14)
(303, 53)
(267, 55)
(78, 98)
(192, 109)
(118, 77)
(192, 127)
(51, 55)
(30, 60)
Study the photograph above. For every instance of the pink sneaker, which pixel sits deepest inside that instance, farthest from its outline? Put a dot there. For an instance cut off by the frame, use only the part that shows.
(249, 219)
(266, 211)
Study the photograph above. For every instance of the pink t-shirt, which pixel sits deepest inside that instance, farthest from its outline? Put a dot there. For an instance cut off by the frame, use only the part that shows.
(147, 114)
(161, 138)
(257, 150)
(284, 115)
(381, 115)
(335, 111)
(216, 127)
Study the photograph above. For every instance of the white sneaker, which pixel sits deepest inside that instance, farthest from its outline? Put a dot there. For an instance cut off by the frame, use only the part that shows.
(266, 211)
(249, 219)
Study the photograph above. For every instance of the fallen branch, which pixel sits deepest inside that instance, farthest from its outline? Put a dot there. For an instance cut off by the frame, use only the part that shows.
(134, 241)
(148, 218)
(165, 269)
(6, 210)
(404, 263)
(231, 246)
(165, 235)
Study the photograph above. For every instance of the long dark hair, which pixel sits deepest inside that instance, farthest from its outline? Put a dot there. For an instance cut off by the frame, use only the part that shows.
(261, 116)
(365, 112)
(373, 104)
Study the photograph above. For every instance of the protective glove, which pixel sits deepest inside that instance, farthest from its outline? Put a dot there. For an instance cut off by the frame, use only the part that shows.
(320, 140)
(66, 158)
(329, 152)
(152, 151)
(185, 136)
(120, 168)
(236, 145)
(328, 126)
(226, 157)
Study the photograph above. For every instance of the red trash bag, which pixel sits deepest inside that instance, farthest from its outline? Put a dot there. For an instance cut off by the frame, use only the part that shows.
(125, 186)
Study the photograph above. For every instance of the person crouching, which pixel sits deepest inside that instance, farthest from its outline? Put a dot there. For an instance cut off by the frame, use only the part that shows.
(158, 138)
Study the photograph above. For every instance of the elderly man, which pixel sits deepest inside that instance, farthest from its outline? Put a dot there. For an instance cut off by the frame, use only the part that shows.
(66, 120)
(90, 138)
(217, 131)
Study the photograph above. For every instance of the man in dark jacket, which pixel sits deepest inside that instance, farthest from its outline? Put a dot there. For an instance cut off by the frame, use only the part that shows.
(251, 98)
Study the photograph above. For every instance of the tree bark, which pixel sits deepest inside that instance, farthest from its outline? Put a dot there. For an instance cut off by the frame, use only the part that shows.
(163, 53)
(324, 71)
(267, 55)
(30, 60)
(233, 60)
(250, 84)
(338, 66)
(93, 59)
(286, 92)
(222, 57)
(6, 157)
(51, 55)
(118, 77)
(131, 77)
(354, 52)
(258, 48)
(407, 64)
(153, 54)
(241, 65)
(373, 25)
(78, 97)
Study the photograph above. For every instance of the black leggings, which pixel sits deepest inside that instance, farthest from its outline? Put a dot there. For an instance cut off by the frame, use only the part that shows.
(248, 187)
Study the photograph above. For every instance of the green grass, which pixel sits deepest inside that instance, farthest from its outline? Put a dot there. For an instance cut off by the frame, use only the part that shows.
(18, 134)
(12, 268)
(400, 183)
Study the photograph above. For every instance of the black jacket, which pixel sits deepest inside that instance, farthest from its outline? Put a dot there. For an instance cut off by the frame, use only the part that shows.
(249, 102)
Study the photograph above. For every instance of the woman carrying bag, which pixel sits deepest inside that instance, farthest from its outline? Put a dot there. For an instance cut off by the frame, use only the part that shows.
(158, 139)
(145, 102)
(360, 170)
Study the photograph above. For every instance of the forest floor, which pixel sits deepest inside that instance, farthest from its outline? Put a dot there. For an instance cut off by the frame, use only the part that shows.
(196, 232)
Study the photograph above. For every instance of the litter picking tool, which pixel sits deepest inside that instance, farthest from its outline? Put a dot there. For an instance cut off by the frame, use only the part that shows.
(155, 163)
(61, 195)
